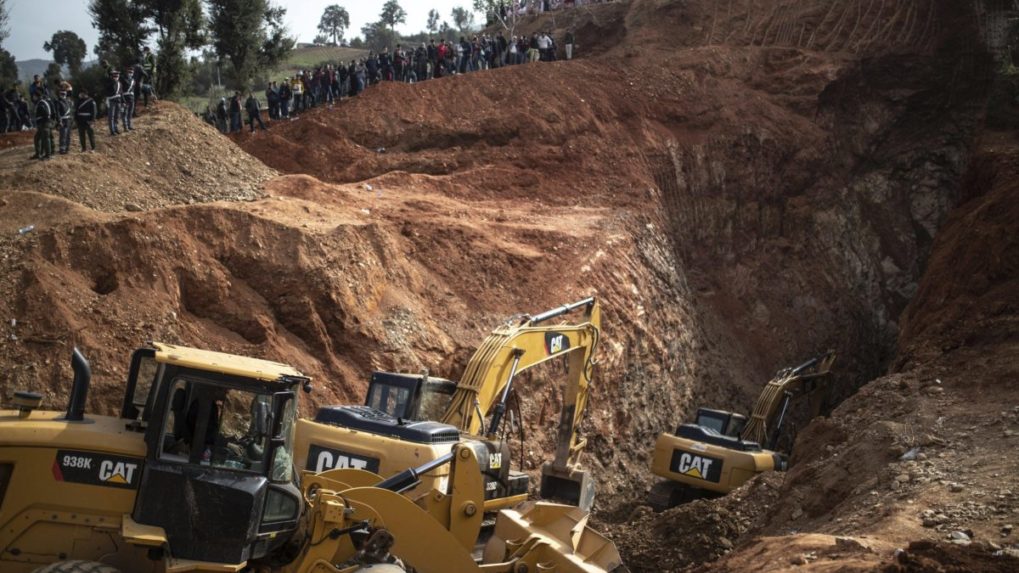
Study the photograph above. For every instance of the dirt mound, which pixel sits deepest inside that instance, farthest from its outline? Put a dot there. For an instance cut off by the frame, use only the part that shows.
(170, 158)
(694, 533)
(970, 294)
(928, 557)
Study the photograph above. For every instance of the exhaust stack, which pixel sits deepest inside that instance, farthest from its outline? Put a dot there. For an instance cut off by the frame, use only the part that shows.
(79, 388)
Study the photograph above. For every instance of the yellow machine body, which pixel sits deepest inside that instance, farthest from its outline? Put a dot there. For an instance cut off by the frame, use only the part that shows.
(722, 450)
(72, 488)
(43, 514)
(473, 408)
(705, 466)
(383, 455)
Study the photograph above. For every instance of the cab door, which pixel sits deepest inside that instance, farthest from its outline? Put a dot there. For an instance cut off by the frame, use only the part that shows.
(205, 479)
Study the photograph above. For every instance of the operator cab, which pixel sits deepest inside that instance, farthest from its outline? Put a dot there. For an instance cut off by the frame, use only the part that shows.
(405, 407)
(401, 406)
(721, 422)
(218, 475)
(719, 428)
(410, 396)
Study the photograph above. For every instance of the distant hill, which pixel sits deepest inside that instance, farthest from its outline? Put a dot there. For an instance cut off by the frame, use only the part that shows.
(29, 68)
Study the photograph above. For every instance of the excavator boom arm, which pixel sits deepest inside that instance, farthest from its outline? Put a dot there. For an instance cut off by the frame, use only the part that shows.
(511, 349)
(789, 382)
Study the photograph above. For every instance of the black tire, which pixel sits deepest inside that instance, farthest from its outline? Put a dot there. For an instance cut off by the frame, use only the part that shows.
(668, 494)
(77, 566)
(662, 496)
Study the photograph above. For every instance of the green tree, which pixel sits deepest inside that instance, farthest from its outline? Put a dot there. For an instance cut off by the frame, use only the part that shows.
(5, 16)
(377, 36)
(54, 73)
(335, 20)
(181, 27)
(506, 13)
(446, 31)
(123, 27)
(393, 14)
(68, 50)
(250, 34)
(8, 69)
(433, 21)
(463, 19)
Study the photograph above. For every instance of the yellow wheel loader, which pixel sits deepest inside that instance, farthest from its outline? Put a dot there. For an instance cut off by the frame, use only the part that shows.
(721, 450)
(196, 474)
(410, 419)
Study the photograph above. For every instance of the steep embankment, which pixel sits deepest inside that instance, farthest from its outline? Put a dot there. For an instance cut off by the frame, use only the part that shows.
(781, 189)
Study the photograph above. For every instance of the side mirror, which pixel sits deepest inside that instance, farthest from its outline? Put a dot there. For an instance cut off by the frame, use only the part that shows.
(260, 418)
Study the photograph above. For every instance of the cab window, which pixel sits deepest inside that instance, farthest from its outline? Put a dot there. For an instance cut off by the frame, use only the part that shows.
(216, 426)
(389, 399)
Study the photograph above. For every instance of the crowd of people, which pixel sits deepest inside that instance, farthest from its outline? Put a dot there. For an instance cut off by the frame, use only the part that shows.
(330, 82)
(62, 108)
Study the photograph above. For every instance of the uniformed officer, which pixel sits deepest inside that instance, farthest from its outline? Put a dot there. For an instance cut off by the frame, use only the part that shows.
(44, 114)
(113, 99)
(127, 102)
(87, 113)
(149, 67)
(65, 112)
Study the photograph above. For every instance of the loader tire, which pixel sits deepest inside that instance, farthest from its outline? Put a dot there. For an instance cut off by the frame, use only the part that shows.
(77, 566)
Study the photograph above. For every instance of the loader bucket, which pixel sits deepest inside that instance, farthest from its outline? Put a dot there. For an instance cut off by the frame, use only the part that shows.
(551, 537)
(573, 487)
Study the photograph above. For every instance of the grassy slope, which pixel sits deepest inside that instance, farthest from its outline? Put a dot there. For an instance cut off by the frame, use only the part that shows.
(300, 59)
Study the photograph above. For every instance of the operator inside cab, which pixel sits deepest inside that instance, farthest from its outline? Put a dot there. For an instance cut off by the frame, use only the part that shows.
(217, 426)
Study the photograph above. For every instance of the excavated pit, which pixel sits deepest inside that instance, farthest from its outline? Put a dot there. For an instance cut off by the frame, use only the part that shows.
(742, 185)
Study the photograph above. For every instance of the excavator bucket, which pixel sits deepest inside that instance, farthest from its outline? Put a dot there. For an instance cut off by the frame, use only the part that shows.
(569, 486)
(552, 537)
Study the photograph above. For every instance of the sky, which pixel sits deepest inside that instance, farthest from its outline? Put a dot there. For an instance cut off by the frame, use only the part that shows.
(33, 22)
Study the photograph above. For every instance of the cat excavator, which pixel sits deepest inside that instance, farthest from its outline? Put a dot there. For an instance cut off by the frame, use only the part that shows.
(721, 450)
(196, 474)
(410, 419)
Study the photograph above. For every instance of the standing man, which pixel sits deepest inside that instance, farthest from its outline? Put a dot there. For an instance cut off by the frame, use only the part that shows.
(149, 67)
(138, 77)
(568, 42)
(44, 113)
(297, 90)
(37, 87)
(87, 113)
(272, 99)
(127, 104)
(113, 99)
(433, 59)
(221, 115)
(285, 96)
(235, 112)
(353, 79)
(65, 111)
(254, 112)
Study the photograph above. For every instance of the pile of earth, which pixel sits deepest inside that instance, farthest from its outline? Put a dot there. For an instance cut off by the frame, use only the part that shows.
(168, 159)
